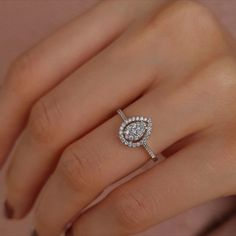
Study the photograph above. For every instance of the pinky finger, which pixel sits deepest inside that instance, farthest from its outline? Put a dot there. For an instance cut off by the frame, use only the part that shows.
(190, 177)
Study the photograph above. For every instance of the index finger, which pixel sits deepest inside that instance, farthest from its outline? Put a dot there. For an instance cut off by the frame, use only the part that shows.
(39, 69)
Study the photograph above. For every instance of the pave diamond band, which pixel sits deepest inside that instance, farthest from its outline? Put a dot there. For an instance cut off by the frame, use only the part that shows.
(135, 131)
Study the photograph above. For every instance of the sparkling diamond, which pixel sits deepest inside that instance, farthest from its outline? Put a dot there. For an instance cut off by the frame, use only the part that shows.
(135, 131)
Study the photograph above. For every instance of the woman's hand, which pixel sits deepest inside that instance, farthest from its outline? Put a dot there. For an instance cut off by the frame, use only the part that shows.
(172, 62)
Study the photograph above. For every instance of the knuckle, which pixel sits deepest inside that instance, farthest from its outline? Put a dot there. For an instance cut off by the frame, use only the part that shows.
(132, 208)
(185, 21)
(21, 65)
(44, 120)
(192, 12)
(220, 75)
(80, 169)
(21, 72)
(189, 5)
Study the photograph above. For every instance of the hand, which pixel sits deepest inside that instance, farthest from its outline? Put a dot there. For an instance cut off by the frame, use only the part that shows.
(172, 62)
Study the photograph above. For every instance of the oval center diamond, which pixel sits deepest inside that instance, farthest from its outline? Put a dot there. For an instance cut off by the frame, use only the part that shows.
(135, 130)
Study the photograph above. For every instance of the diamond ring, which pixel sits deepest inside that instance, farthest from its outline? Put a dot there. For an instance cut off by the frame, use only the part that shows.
(135, 131)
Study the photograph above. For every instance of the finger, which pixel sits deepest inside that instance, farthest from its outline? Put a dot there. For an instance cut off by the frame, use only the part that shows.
(88, 164)
(226, 228)
(64, 115)
(189, 178)
(45, 65)
(55, 121)
(97, 160)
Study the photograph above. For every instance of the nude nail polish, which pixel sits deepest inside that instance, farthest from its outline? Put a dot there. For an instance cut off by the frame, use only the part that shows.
(8, 210)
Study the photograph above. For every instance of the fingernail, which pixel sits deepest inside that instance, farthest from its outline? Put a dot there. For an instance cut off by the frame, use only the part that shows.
(69, 232)
(8, 210)
(34, 233)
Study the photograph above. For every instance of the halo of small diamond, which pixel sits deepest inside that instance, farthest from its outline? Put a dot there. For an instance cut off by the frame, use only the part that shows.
(135, 131)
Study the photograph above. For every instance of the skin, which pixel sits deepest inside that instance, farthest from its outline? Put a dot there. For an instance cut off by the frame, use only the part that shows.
(155, 60)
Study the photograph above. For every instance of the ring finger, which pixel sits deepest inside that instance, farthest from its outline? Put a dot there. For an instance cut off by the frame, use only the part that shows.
(99, 159)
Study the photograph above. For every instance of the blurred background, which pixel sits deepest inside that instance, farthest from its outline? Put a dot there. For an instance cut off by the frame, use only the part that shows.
(22, 24)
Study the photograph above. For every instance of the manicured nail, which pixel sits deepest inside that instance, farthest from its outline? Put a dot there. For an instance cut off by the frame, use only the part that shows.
(8, 210)
(34, 233)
